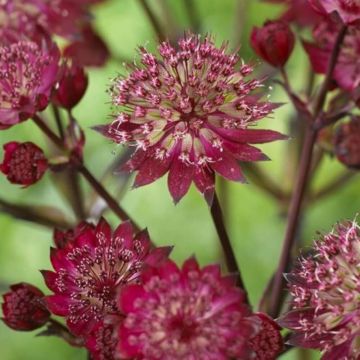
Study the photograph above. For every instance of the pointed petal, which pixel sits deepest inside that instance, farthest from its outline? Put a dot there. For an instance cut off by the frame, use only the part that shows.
(125, 232)
(151, 170)
(103, 232)
(179, 179)
(50, 279)
(128, 296)
(245, 152)
(58, 304)
(228, 167)
(158, 255)
(135, 161)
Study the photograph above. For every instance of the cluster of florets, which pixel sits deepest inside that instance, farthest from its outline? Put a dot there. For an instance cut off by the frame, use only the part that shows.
(191, 113)
(326, 287)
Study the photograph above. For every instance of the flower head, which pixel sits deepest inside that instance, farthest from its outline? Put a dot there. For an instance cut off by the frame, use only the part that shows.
(92, 268)
(346, 73)
(347, 10)
(268, 342)
(28, 73)
(24, 163)
(191, 113)
(23, 309)
(187, 313)
(274, 42)
(326, 288)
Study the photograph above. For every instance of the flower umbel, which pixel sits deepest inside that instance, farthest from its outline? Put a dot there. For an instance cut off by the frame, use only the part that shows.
(24, 163)
(27, 74)
(191, 113)
(325, 288)
(187, 313)
(91, 268)
(23, 309)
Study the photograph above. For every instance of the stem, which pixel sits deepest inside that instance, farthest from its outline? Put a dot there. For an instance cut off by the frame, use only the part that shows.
(192, 15)
(154, 22)
(58, 121)
(48, 132)
(230, 258)
(56, 328)
(302, 179)
(113, 205)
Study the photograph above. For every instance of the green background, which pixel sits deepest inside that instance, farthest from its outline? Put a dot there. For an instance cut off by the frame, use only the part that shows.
(254, 219)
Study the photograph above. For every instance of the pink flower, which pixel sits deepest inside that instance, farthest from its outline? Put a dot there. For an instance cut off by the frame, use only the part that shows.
(71, 87)
(268, 342)
(346, 72)
(23, 309)
(273, 42)
(347, 10)
(24, 163)
(102, 342)
(27, 75)
(187, 313)
(325, 288)
(347, 143)
(190, 113)
(299, 11)
(92, 268)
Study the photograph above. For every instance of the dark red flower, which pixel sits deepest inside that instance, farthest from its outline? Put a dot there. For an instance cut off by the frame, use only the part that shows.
(347, 143)
(347, 10)
(92, 268)
(187, 313)
(268, 342)
(191, 114)
(299, 12)
(325, 288)
(71, 87)
(62, 238)
(24, 163)
(102, 342)
(89, 50)
(346, 73)
(274, 42)
(28, 73)
(23, 308)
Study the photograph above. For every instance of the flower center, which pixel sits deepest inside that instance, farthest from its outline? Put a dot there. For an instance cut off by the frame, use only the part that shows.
(181, 329)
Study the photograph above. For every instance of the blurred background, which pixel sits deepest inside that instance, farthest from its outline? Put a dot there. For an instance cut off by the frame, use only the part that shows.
(255, 219)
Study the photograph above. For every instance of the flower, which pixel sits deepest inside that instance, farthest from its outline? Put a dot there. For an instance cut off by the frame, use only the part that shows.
(325, 287)
(346, 73)
(24, 163)
(347, 10)
(88, 50)
(27, 75)
(189, 113)
(347, 143)
(188, 313)
(268, 342)
(92, 268)
(102, 342)
(274, 42)
(299, 11)
(71, 87)
(23, 309)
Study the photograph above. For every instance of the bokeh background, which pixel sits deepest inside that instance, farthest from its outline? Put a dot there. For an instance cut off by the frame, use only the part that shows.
(255, 221)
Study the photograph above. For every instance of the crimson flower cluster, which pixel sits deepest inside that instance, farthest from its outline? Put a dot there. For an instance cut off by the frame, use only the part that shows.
(190, 113)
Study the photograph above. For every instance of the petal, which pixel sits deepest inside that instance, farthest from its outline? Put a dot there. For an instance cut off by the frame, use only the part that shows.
(291, 320)
(128, 295)
(50, 279)
(228, 167)
(151, 170)
(244, 152)
(251, 136)
(58, 304)
(204, 179)
(158, 255)
(135, 161)
(319, 58)
(143, 238)
(103, 232)
(179, 179)
(125, 232)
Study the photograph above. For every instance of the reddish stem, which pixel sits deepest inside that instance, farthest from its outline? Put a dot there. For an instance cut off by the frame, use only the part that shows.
(302, 179)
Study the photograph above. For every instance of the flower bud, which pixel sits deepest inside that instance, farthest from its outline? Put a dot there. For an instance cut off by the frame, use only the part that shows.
(71, 87)
(347, 143)
(273, 42)
(23, 309)
(24, 163)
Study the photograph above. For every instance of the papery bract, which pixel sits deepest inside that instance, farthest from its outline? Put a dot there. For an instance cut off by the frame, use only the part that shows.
(23, 163)
(188, 313)
(190, 113)
(92, 268)
(23, 309)
(325, 289)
